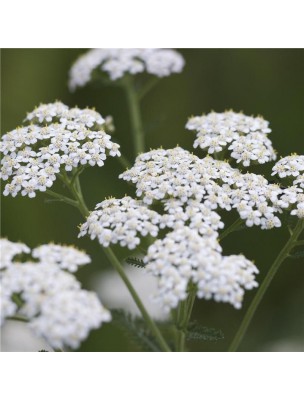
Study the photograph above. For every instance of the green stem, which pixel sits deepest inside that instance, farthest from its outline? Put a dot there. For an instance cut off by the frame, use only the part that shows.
(284, 253)
(18, 318)
(147, 87)
(299, 243)
(77, 173)
(62, 198)
(233, 227)
(75, 190)
(150, 323)
(136, 123)
(118, 267)
(180, 333)
(124, 162)
(183, 315)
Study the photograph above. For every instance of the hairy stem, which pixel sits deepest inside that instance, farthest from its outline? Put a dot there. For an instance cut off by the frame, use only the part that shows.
(284, 253)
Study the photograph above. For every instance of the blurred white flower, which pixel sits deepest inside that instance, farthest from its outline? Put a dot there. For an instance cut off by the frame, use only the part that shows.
(67, 257)
(67, 318)
(18, 336)
(282, 345)
(117, 62)
(114, 293)
(8, 250)
(50, 298)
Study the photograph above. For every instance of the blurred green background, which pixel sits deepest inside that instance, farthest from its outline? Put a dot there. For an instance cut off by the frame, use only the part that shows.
(257, 81)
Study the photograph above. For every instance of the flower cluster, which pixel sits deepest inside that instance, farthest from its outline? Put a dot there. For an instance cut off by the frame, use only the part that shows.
(67, 318)
(66, 257)
(293, 197)
(57, 138)
(8, 250)
(292, 167)
(161, 173)
(194, 214)
(117, 62)
(48, 296)
(120, 221)
(245, 137)
(188, 193)
(176, 173)
(184, 256)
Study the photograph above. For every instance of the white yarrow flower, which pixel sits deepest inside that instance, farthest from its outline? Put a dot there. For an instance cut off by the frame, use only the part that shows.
(67, 318)
(117, 62)
(184, 256)
(51, 298)
(58, 138)
(292, 166)
(8, 250)
(121, 221)
(178, 174)
(67, 257)
(245, 136)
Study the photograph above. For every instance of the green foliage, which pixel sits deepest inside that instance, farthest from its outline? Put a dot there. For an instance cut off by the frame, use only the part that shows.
(196, 331)
(135, 262)
(135, 329)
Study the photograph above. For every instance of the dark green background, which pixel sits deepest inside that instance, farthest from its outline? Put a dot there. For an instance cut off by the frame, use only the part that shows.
(267, 82)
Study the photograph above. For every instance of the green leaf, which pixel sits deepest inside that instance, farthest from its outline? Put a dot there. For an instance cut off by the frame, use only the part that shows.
(135, 262)
(135, 329)
(196, 331)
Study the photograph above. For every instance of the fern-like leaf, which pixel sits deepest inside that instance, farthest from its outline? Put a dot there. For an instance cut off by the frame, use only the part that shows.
(135, 262)
(196, 331)
(135, 329)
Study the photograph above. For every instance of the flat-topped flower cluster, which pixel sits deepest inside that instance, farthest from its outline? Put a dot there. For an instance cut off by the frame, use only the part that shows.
(48, 296)
(245, 136)
(180, 197)
(184, 256)
(291, 168)
(117, 62)
(56, 138)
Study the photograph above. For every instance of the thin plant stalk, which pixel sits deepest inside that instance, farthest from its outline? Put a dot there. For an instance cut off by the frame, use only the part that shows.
(183, 316)
(135, 116)
(232, 228)
(75, 190)
(284, 253)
